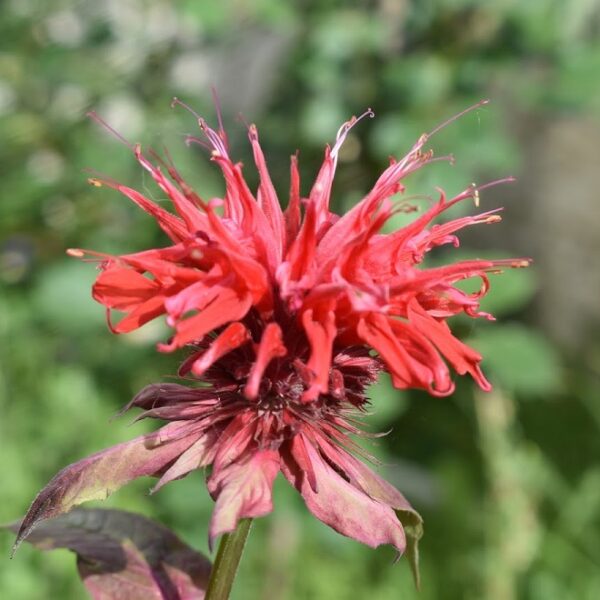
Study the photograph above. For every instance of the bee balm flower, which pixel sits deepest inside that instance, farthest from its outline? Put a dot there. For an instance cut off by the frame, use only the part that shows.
(291, 315)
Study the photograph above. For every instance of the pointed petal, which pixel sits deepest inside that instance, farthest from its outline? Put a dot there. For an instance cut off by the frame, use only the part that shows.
(267, 197)
(292, 212)
(343, 507)
(321, 190)
(198, 455)
(301, 458)
(234, 440)
(99, 475)
(242, 490)
(361, 476)
(300, 255)
(270, 346)
(163, 394)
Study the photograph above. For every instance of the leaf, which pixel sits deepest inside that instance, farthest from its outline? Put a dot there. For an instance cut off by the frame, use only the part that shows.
(124, 555)
(519, 358)
(413, 529)
(98, 475)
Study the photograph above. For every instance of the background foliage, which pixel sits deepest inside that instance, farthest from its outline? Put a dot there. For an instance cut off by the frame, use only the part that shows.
(508, 483)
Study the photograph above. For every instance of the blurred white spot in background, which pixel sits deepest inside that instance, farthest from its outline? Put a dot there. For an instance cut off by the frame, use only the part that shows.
(69, 102)
(190, 73)
(65, 28)
(46, 165)
(124, 113)
(7, 97)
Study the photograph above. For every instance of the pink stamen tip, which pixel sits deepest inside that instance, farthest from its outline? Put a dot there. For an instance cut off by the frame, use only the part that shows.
(75, 252)
(345, 129)
(240, 117)
(177, 102)
(458, 116)
(510, 179)
(192, 139)
(217, 103)
(95, 117)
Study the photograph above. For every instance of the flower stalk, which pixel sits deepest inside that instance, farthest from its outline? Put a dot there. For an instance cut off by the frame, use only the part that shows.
(227, 561)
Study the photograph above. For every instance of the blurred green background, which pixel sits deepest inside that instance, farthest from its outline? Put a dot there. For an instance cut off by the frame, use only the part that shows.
(508, 482)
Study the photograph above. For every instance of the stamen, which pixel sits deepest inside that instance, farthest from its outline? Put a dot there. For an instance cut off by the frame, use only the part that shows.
(458, 116)
(475, 195)
(214, 138)
(217, 104)
(192, 139)
(94, 116)
(98, 179)
(93, 256)
(345, 129)
(177, 102)
(217, 140)
(509, 179)
(447, 158)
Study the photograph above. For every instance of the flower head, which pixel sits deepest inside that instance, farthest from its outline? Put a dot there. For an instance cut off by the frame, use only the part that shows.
(290, 316)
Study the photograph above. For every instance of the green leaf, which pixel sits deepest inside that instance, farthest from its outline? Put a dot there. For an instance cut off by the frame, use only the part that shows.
(519, 359)
(63, 297)
(413, 528)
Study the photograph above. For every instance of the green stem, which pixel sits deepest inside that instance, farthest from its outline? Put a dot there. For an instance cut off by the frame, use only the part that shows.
(227, 561)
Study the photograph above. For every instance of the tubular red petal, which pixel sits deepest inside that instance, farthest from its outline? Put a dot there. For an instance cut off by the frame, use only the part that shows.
(270, 346)
(460, 356)
(405, 368)
(142, 314)
(320, 333)
(227, 306)
(234, 336)
(123, 288)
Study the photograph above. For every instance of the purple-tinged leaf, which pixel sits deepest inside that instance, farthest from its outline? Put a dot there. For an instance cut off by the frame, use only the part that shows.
(98, 475)
(122, 555)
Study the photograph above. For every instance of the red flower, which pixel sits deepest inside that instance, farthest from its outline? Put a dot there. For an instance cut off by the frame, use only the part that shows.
(284, 311)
